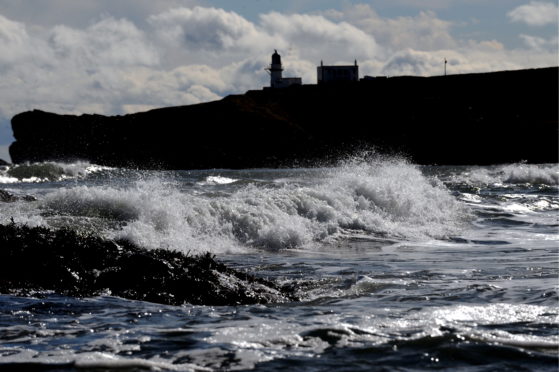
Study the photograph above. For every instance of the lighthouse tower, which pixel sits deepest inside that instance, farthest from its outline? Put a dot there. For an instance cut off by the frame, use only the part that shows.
(276, 78)
(276, 71)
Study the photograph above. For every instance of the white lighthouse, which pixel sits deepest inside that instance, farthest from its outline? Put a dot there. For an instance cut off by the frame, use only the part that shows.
(275, 70)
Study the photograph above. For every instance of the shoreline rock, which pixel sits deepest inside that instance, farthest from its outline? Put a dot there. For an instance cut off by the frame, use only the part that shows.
(487, 118)
(8, 197)
(66, 262)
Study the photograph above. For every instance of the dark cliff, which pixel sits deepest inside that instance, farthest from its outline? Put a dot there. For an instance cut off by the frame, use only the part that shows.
(488, 118)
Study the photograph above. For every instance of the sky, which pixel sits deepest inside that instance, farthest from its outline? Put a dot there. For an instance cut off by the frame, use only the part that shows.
(121, 56)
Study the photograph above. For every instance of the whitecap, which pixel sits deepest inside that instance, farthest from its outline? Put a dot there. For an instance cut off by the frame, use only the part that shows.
(535, 174)
(217, 180)
(379, 198)
(47, 171)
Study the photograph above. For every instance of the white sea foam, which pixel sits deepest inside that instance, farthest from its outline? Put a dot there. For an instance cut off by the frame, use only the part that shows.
(541, 174)
(47, 171)
(7, 179)
(92, 360)
(375, 328)
(531, 174)
(217, 180)
(387, 198)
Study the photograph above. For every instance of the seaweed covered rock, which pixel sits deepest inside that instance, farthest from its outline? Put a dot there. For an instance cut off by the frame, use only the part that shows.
(64, 261)
(8, 197)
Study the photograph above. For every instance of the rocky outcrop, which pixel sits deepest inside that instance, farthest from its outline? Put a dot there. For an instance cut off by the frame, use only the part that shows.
(489, 118)
(70, 263)
(8, 197)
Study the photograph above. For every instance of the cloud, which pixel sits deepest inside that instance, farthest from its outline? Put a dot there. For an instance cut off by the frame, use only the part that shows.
(536, 13)
(184, 55)
(76, 13)
(205, 29)
(70, 70)
(539, 43)
(15, 42)
(208, 36)
(149, 88)
(214, 36)
(12, 33)
(413, 62)
(107, 43)
(424, 31)
(315, 37)
(423, 4)
(473, 57)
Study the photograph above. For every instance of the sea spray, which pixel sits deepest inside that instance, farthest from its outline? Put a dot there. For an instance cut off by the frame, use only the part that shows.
(473, 180)
(378, 292)
(508, 175)
(375, 198)
(531, 174)
(47, 171)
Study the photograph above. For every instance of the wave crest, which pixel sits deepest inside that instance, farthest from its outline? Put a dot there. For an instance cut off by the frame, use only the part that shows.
(47, 171)
(536, 174)
(388, 198)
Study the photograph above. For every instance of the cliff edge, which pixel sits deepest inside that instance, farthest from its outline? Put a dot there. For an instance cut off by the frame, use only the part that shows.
(487, 118)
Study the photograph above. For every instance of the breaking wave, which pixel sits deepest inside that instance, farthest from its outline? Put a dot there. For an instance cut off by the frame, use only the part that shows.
(216, 180)
(47, 171)
(511, 174)
(388, 198)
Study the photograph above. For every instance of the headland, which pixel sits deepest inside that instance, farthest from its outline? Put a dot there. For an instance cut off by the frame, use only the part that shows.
(482, 118)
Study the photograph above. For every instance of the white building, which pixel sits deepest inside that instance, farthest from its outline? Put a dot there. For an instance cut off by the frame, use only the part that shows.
(275, 70)
(327, 74)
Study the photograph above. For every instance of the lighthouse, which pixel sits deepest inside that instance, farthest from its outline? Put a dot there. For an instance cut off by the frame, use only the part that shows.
(275, 70)
(276, 78)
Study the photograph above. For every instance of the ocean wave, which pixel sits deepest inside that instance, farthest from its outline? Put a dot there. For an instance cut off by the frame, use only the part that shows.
(382, 198)
(535, 174)
(444, 329)
(531, 174)
(47, 171)
(217, 180)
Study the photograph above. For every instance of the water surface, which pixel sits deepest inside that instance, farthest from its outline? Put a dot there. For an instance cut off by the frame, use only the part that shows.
(399, 267)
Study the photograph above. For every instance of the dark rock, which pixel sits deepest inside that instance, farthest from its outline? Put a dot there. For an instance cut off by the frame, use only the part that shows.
(489, 118)
(3, 162)
(7, 197)
(69, 263)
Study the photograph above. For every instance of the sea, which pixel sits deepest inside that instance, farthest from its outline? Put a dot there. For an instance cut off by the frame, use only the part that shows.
(396, 266)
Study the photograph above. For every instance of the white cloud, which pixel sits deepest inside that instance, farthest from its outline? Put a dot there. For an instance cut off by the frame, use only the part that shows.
(470, 58)
(424, 31)
(149, 88)
(109, 42)
(76, 13)
(536, 13)
(12, 33)
(15, 43)
(413, 62)
(204, 28)
(179, 56)
(208, 36)
(540, 44)
(314, 37)
(215, 37)
(70, 70)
